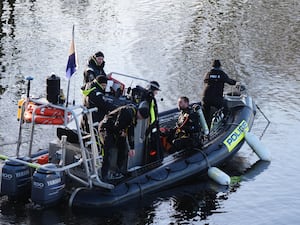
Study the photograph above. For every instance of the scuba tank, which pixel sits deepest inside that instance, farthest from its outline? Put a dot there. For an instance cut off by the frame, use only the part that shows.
(197, 108)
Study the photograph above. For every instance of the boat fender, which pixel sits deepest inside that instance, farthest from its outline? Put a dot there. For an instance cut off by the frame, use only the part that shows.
(197, 108)
(261, 151)
(218, 176)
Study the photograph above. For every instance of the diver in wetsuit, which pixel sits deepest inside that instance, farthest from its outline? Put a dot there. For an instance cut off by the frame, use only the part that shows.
(115, 129)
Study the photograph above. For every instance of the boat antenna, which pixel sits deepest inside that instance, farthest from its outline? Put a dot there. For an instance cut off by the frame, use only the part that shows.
(72, 63)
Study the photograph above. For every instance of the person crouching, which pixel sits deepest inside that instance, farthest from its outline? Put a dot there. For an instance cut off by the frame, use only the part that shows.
(114, 129)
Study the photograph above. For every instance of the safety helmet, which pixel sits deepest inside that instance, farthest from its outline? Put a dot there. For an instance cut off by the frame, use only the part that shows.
(153, 86)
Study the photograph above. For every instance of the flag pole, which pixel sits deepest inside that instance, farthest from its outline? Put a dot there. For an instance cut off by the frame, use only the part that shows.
(71, 65)
(68, 90)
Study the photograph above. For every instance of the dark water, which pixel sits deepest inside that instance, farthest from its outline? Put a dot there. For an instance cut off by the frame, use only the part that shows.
(174, 43)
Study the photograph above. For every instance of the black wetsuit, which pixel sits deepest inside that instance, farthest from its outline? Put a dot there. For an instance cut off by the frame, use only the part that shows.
(187, 130)
(120, 121)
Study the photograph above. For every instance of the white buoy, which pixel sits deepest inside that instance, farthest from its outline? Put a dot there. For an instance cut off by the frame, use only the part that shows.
(218, 176)
(261, 151)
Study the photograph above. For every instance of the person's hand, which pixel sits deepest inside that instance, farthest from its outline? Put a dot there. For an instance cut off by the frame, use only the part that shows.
(122, 133)
(109, 76)
(131, 153)
(196, 107)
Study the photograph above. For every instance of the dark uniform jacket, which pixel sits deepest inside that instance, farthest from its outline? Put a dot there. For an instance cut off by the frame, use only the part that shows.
(93, 70)
(214, 81)
(122, 119)
(95, 97)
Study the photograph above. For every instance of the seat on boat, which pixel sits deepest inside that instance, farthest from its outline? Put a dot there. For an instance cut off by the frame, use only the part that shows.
(72, 135)
(72, 149)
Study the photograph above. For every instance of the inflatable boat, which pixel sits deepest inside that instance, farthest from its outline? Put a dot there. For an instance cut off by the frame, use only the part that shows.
(70, 169)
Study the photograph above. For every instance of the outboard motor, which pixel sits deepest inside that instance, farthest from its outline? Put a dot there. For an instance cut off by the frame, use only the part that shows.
(47, 186)
(15, 179)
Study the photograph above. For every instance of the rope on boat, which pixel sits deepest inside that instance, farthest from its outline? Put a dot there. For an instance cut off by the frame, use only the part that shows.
(204, 155)
(32, 165)
(141, 190)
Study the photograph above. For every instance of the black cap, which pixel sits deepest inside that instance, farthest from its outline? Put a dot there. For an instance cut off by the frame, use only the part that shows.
(144, 109)
(101, 79)
(216, 63)
(153, 86)
(99, 54)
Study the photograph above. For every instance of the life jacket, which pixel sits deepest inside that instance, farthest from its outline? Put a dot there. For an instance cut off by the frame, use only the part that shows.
(187, 123)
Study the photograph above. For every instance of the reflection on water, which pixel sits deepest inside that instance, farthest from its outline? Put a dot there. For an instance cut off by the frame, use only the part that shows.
(192, 201)
(188, 202)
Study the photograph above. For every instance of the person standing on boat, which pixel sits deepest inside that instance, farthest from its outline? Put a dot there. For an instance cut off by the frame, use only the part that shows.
(186, 133)
(214, 82)
(95, 67)
(153, 143)
(115, 129)
(153, 89)
(94, 96)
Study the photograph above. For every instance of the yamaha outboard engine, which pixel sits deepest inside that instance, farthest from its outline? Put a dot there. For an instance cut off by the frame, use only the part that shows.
(15, 179)
(47, 186)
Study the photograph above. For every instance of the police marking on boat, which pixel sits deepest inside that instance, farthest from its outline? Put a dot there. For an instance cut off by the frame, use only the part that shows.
(236, 136)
